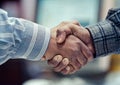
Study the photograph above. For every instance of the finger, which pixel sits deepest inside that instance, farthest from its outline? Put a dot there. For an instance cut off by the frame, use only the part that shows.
(62, 65)
(72, 70)
(66, 70)
(82, 59)
(75, 63)
(62, 33)
(76, 30)
(61, 36)
(91, 49)
(76, 22)
(66, 30)
(55, 61)
(86, 52)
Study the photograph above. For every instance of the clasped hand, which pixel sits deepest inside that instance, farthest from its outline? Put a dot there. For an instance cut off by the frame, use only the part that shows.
(70, 47)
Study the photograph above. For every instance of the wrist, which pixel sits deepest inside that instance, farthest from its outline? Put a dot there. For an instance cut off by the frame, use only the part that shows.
(90, 42)
(52, 46)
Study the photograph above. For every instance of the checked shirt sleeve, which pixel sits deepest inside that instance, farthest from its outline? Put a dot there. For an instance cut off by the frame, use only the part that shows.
(106, 34)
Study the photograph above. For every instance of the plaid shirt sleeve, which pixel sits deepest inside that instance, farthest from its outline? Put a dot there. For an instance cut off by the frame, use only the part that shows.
(20, 38)
(106, 34)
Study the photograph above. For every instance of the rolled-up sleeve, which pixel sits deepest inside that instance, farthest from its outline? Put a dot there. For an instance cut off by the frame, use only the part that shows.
(20, 38)
(106, 34)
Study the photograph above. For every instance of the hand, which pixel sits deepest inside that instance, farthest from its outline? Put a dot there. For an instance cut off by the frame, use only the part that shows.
(61, 36)
(78, 31)
(59, 63)
(72, 48)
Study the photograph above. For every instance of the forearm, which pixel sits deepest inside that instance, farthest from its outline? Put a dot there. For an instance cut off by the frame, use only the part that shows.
(105, 38)
(106, 34)
(21, 39)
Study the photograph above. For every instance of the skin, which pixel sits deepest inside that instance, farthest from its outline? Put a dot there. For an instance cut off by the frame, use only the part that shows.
(71, 48)
(84, 35)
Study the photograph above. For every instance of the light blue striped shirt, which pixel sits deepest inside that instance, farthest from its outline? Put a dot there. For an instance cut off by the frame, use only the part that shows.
(20, 38)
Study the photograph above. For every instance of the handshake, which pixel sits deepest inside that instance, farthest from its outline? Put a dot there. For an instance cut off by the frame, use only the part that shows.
(70, 47)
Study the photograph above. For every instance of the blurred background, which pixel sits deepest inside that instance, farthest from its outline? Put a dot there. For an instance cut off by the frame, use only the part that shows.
(102, 71)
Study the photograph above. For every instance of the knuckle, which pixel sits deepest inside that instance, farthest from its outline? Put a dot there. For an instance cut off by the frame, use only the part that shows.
(76, 22)
(63, 22)
(65, 61)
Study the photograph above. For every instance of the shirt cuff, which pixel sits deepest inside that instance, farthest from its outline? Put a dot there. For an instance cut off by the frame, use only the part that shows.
(41, 44)
(45, 42)
(104, 37)
(34, 42)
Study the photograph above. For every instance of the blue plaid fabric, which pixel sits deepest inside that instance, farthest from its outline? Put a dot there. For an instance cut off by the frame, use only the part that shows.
(20, 38)
(106, 34)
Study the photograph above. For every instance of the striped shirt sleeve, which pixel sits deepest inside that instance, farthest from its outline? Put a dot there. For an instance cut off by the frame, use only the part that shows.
(106, 34)
(20, 38)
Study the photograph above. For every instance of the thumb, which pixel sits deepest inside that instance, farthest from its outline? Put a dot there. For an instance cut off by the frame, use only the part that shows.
(63, 32)
(61, 36)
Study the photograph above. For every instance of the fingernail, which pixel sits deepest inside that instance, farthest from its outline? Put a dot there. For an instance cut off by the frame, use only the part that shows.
(66, 61)
(59, 58)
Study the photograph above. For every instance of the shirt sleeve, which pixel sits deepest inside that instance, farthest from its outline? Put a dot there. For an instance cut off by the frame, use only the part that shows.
(20, 38)
(106, 34)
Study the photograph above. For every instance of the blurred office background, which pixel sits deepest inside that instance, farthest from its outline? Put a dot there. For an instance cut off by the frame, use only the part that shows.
(102, 71)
